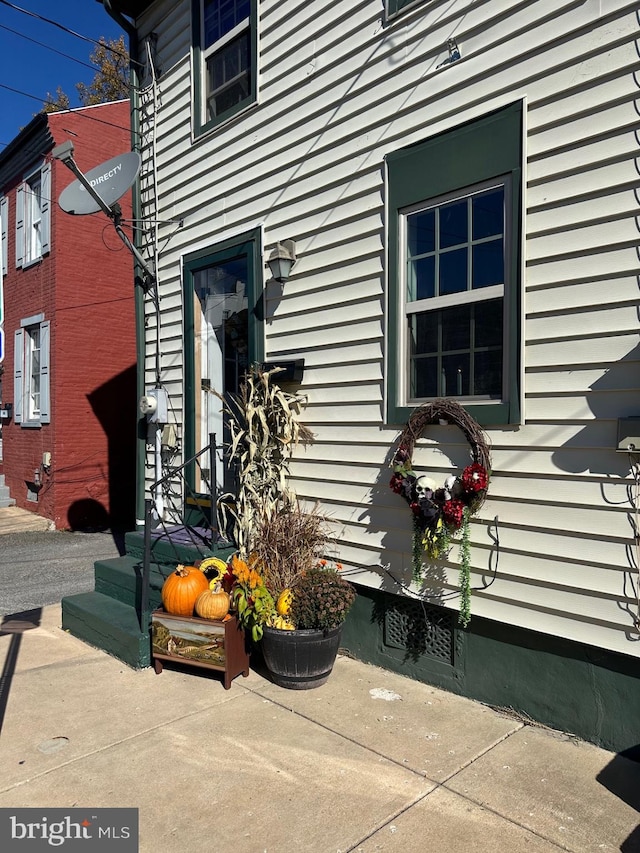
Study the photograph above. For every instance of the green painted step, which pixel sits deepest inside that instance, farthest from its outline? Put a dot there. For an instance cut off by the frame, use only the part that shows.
(173, 552)
(109, 625)
(121, 578)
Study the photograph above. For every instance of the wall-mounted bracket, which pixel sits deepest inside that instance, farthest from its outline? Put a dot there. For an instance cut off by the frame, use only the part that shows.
(628, 435)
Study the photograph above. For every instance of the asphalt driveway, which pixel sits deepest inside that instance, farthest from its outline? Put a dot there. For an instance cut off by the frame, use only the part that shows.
(40, 568)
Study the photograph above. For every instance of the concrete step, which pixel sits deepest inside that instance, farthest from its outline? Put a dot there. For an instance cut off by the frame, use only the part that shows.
(5, 497)
(109, 625)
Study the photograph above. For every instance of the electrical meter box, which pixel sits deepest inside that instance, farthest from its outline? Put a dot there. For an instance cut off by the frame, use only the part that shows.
(155, 406)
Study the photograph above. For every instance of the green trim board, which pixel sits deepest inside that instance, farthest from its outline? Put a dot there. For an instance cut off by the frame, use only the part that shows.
(249, 246)
(569, 686)
(394, 7)
(463, 157)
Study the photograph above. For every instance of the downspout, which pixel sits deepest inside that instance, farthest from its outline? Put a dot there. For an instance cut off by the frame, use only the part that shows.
(141, 430)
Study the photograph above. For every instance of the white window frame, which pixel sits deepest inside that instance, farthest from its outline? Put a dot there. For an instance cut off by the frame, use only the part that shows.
(32, 408)
(203, 54)
(33, 217)
(211, 51)
(464, 297)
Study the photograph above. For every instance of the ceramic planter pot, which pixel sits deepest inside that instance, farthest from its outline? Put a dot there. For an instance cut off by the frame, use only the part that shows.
(300, 659)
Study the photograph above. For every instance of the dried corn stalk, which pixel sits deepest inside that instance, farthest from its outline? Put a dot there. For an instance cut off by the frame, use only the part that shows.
(264, 427)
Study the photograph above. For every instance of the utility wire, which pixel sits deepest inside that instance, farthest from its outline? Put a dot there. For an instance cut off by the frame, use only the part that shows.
(88, 65)
(64, 29)
(74, 109)
(48, 47)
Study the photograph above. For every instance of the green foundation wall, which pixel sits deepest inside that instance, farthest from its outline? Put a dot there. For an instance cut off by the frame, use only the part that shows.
(589, 692)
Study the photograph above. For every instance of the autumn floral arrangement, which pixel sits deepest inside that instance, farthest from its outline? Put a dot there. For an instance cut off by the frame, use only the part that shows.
(318, 598)
(250, 598)
(280, 577)
(441, 512)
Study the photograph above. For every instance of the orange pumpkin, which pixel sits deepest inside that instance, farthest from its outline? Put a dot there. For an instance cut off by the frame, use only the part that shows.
(212, 603)
(181, 588)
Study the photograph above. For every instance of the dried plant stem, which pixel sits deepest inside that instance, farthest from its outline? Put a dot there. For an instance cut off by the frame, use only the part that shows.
(289, 542)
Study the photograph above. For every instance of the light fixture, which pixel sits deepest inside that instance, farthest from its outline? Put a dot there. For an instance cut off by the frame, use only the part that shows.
(281, 259)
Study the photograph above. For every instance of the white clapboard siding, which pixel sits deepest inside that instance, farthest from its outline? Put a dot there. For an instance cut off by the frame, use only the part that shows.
(339, 89)
(578, 350)
(582, 294)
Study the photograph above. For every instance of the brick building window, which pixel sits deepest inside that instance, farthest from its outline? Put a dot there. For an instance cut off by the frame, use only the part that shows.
(31, 372)
(33, 205)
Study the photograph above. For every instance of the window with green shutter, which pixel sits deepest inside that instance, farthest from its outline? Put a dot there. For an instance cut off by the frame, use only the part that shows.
(454, 270)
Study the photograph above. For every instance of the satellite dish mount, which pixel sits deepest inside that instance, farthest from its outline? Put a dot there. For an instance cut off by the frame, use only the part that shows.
(100, 189)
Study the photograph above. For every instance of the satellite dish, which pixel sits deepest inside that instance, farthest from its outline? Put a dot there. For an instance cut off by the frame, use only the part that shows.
(110, 180)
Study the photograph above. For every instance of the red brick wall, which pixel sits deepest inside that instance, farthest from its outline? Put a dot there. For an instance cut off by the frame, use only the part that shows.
(85, 288)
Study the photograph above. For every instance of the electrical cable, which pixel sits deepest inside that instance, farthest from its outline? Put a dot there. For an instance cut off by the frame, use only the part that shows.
(73, 109)
(48, 47)
(156, 259)
(75, 59)
(635, 469)
(65, 29)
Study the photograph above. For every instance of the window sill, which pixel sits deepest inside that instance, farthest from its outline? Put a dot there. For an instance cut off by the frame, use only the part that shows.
(486, 414)
(202, 131)
(30, 424)
(32, 263)
(390, 17)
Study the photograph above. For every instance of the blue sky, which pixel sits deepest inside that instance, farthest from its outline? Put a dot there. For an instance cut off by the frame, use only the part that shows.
(33, 68)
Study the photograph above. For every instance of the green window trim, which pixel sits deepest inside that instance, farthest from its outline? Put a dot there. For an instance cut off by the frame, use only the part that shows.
(394, 7)
(200, 123)
(482, 150)
(248, 244)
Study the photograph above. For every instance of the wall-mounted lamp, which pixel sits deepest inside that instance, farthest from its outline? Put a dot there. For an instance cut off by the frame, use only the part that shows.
(282, 259)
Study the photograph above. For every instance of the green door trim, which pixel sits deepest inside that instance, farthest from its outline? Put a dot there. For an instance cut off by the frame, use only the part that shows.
(248, 244)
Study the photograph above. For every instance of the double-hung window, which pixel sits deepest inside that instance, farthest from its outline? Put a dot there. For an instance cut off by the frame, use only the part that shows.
(454, 253)
(225, 49)
(33, 219)
(31, 372)
(33, 204)
(454, 268)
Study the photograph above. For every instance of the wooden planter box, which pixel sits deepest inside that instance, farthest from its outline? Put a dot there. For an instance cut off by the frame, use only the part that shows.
(206, 643)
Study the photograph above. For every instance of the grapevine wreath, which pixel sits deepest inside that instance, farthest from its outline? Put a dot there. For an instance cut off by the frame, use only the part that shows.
(440, 512)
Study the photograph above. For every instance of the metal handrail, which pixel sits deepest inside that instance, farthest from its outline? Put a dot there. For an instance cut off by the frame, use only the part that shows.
(197, 537)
